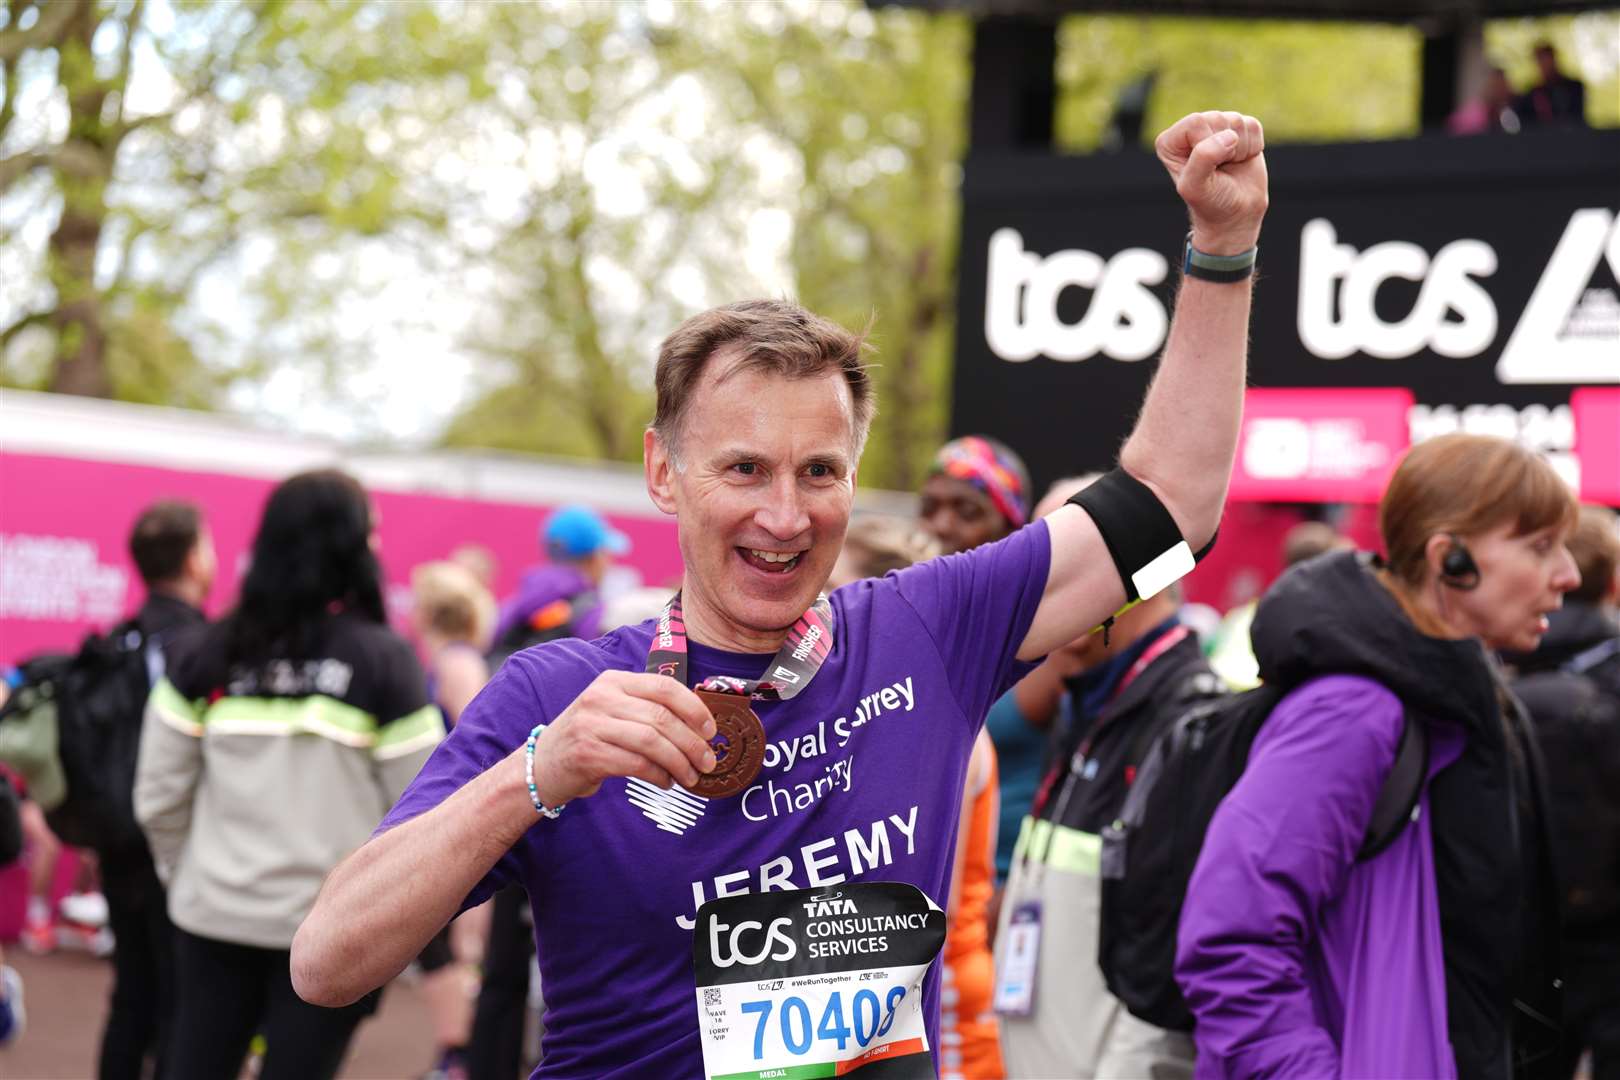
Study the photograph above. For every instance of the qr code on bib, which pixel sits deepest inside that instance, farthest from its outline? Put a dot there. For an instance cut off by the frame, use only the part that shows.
(711, 996)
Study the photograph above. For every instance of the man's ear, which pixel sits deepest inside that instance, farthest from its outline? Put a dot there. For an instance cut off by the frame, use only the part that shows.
(660, 469)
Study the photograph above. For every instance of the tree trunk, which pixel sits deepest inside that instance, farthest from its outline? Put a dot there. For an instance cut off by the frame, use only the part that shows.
(81, 337)
(909, 388)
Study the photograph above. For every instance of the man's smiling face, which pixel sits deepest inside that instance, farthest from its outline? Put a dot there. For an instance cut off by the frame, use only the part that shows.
(761, 484)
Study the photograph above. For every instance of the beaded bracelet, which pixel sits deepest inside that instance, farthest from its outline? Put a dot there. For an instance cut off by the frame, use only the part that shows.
(528, 774)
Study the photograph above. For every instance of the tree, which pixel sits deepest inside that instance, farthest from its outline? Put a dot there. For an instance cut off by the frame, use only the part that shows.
(154, 140)
(600, 216)
(818, 135)
(871, 108)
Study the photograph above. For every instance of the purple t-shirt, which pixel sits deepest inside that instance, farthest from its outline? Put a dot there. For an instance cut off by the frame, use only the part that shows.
(862, 779)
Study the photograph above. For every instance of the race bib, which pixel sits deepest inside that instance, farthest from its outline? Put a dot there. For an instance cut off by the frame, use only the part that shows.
(816, 982)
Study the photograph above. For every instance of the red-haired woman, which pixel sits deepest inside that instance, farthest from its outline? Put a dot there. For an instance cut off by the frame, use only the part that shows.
(1436, 957)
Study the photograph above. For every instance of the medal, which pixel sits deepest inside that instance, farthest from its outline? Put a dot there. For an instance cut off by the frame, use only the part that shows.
(738, 745)
(739, 736)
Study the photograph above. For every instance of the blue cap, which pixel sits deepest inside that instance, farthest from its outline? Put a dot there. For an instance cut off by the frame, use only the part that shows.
(573, 532)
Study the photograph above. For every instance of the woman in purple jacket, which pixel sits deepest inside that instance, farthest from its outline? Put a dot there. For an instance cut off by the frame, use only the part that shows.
(1437, 957)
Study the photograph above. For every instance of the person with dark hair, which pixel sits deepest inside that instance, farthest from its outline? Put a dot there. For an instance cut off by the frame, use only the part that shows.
(1571, 685)
(977, 491)
(1301, 950)
(675, 795)
(273, 744)
(172, 549)
(174, 554)
(1557, 100)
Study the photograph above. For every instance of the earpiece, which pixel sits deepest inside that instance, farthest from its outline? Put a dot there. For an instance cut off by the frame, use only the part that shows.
(1458, 570)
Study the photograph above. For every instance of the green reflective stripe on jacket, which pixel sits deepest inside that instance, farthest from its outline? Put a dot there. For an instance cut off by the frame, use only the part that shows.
(410, 733)
(173, 709)
(1060, 847)
(314, 715)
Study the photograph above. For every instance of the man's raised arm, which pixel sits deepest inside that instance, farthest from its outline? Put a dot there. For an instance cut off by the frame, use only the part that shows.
(1184, 442)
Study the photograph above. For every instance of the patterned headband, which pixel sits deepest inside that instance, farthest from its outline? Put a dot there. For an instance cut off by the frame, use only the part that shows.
(992, 470)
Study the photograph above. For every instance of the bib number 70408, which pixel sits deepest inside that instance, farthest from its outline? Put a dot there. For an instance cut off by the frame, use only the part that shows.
(867, 1020)
(808, 983)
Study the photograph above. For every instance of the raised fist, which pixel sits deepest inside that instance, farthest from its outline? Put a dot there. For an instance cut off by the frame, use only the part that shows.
(1218, 162)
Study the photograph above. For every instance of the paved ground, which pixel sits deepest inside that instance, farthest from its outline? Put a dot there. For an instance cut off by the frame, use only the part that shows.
(67, 1001)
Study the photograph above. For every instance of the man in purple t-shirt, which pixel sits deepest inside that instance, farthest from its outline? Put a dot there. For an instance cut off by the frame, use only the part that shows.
(762, 411)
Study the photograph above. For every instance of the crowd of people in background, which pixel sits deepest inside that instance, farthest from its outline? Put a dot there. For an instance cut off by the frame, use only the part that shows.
(1554, 100)
(1293, 943)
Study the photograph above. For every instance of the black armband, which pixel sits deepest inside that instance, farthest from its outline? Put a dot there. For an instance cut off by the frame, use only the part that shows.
(1142, 537)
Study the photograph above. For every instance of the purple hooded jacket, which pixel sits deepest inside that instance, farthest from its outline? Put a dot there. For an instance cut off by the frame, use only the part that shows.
(545, 585)
(1298, 961)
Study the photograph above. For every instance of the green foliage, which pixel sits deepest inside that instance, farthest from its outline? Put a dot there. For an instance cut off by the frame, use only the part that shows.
(1308, 82)
(731, 120)
(220, 193)
(873, 110)
(162, 141)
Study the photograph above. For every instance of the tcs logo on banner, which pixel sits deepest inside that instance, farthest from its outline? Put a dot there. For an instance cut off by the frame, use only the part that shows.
(1124, 321)
(1569, 331)
(1329, 271)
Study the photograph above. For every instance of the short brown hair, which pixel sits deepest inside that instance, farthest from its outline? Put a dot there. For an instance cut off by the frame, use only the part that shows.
(1467, 484)
(1596, 547)
(881, 543)
(163, 538)
(775, 336)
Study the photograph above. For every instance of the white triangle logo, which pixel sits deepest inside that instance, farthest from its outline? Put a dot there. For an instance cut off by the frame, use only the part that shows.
(1569, 332)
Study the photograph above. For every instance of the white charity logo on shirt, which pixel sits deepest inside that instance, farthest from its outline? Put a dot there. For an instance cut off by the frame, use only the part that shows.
(672, 811)
(1569, 330)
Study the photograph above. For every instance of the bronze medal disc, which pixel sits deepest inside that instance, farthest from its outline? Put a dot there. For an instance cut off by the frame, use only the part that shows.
(738, 745)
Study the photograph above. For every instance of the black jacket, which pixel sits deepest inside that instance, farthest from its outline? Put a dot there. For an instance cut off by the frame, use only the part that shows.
(1577, 718)
(1102, 752)
(1497, 892)
(159, 619)
(161, 615)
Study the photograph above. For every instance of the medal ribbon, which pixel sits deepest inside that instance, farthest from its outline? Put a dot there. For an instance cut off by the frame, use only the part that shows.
(797, 661)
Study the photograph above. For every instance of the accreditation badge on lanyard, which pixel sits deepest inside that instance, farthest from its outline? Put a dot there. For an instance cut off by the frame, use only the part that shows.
(816, 982)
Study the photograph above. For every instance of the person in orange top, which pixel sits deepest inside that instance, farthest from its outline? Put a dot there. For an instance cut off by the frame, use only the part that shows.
(970, 1044)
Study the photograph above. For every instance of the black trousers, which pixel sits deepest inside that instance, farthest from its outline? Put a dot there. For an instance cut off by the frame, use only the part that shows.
(228, 993)
(495, 1051)
(142, 1007)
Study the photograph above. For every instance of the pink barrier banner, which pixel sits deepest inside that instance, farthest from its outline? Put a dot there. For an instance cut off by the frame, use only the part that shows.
(1597, 442)
(1334, 445)
(64, 524)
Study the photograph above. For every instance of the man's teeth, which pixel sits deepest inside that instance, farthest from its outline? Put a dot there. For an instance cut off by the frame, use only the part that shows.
(773, 556)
